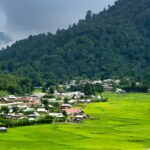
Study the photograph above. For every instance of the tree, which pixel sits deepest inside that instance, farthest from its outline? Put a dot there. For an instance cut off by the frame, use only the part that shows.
(88, 89)
(88, 15)
(98, 88)
(5, 109)
(15, 109)
(66, 99)
(51, 90)
(45, 103)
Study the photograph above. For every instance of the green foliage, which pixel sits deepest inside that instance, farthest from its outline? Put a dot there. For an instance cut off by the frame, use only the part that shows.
(3, 93)
(103, 99)
(129, 85)
(51, 90)
(4, 109)
(45, 103)
(49, 96)
(10, 84)
(113, 43)
(15, 109)
(66, 99)
(25, 122)
(45, 119)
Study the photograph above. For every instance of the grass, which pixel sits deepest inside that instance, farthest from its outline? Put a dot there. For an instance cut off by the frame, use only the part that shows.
(3, 93)
(37, 91)
(123, 123)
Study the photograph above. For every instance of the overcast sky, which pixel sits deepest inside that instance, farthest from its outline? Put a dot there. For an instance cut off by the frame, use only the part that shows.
(19, 18)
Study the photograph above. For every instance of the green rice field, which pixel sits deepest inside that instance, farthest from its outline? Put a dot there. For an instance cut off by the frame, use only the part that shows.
(122, 123)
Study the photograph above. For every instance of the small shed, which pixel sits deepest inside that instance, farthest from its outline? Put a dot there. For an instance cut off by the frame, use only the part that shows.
(64, 106)
(3, 129)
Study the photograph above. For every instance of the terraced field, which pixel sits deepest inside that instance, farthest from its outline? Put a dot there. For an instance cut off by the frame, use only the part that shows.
(123, 123)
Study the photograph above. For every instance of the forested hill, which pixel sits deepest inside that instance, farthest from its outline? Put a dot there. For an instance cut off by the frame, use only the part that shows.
(113, 43)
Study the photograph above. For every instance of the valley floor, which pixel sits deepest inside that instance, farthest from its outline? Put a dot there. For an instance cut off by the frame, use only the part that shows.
(123, 123)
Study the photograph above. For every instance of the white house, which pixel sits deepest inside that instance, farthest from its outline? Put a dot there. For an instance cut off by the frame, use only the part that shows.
(57, 115)
(11, 97)
(41, 110)
(28, 109)
(76, 94)
(3, 129)
(119, 90)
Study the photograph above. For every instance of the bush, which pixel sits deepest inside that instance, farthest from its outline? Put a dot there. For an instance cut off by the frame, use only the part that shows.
(49, 96)
(24, 122)
(46, 119)
(100, 99)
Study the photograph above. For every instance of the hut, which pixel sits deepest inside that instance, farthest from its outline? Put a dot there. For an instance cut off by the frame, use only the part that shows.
(3, 129)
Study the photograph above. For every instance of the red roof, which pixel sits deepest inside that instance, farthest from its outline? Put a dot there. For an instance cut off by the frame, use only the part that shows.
(26, 99)
(72, 110)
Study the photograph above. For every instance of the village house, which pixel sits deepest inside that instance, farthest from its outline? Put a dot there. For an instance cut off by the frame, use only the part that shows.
(82, 101)
(83, 116)
(56, 93)
(41, 110)
(71, 83)
(72, 101)
(38, 95)
(28, 109)
(57, 115)
(88, 100)
(119, 91)
(73, 111)
(3, 129)
(34, 115)
(83, 82)
(97, 82)
(11, 104)
(26, 99)
(31, 119)
(14, 116)
(3, 100)
(64, 106)
(11, 97)
(76, 94)
(50, 106)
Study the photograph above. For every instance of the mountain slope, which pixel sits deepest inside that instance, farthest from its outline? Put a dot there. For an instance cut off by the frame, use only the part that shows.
(113, 43)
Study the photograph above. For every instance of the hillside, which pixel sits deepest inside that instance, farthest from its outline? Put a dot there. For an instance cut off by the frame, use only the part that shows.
(113, 43)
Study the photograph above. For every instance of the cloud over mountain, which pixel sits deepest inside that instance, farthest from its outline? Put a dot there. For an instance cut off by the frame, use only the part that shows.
(24, 17)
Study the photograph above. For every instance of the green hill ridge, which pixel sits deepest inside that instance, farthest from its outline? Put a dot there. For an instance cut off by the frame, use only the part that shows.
(113, 43)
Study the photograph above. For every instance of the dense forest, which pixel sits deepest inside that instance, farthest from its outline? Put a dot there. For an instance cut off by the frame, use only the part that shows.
(10, 84)
(112, 44)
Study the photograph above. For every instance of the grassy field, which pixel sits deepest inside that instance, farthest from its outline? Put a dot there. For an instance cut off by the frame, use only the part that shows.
(123, 123)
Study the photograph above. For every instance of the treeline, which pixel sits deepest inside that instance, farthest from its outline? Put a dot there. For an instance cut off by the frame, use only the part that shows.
(24, 122)
(131, 85)
(14, 85)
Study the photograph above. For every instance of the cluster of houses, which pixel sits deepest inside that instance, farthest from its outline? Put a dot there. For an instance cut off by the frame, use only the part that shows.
(20, 107)
(32, 107)
(32, 113)
(107, 84)
(77, 114)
